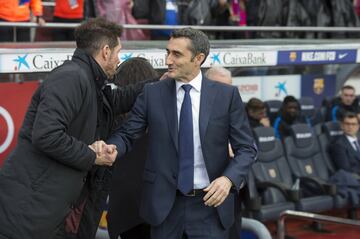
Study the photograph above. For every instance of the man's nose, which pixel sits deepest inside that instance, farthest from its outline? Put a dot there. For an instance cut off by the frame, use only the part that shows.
(168, 60)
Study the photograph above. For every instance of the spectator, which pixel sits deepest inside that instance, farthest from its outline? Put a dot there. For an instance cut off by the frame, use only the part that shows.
(125, 193)
(289, 115)
(174, 12)
(345, 151)
(346, 102)
(19, 11)
(231, 13)
(120, 11)
(219, 74)
(256, 111)
(67, 12)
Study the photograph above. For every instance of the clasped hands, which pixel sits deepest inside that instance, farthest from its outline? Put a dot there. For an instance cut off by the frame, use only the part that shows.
(105, 153)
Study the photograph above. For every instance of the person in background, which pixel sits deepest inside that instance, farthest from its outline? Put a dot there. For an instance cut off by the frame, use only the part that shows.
(126, 186)
(230, 13)
(67, 11)
(19, 11)
(220, 74)
(346, 102)
(345, 151)
(120, 11)
(256, 111)
(289, 115)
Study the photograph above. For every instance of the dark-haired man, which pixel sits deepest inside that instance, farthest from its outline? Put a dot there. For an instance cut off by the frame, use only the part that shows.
(189, 180)
(289, 114)
(345, 151)
(41, 180)
(347, 101)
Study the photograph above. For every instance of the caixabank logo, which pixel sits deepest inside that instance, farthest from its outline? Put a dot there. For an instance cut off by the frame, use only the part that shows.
(227, 58)
(21, 62)
(156, 58)
(30, 62)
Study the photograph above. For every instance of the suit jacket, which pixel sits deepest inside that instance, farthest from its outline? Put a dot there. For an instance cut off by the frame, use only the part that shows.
(222, 120)
(344, 155)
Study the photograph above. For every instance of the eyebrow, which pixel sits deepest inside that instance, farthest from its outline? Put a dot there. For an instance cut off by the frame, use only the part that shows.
(174, 51)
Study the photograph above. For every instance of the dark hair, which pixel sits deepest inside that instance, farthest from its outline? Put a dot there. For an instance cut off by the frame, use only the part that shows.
(199, 40)
(348, 114)
(94, 33)
(134, 70)
(255, 104)
(290, 99)
(347, 87)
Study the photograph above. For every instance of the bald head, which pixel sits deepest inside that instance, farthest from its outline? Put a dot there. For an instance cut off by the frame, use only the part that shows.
(219, 74)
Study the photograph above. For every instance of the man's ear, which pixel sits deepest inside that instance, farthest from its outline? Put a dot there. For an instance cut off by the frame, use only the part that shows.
(199, 58)
(105, 52)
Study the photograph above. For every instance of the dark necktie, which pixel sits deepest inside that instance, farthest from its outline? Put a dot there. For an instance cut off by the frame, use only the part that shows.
(186, 144)
(356, 143)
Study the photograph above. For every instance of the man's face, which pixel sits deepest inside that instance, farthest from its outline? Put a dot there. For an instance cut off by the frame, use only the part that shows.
(347, 96)
(181, 64)
(258, 114)
(292, 109)
(113, 61)
(350, 126)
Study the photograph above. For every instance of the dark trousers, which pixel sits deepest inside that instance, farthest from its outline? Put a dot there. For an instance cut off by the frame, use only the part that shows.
(140, 231)
(64, 34)
(7, 34)
(190, 218)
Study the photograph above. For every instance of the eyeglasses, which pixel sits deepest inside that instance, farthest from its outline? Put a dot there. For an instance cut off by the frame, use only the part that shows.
(351, 124)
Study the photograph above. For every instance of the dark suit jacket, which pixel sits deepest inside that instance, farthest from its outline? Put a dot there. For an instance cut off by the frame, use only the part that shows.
(222, 120)
(344, 155)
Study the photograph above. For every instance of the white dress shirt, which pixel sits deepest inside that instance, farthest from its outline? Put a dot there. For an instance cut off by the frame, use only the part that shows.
(352, 141)
(201, 177)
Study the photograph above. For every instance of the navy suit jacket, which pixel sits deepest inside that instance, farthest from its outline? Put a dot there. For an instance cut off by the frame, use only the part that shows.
(222, 120)
(344, 155)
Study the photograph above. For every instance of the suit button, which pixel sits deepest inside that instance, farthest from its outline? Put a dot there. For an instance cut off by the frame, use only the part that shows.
(84, 179)
(72, 206)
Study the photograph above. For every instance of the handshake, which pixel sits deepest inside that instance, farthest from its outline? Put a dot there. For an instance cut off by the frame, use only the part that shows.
(105, 154)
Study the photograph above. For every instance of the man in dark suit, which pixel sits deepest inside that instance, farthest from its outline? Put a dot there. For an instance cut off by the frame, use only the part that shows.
(189, 181)
(345, 151)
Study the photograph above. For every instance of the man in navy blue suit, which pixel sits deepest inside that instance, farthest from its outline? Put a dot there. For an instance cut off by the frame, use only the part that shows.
(189, 181)
(345, 151)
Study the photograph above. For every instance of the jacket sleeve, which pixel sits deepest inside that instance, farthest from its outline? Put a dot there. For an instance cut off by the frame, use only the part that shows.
(241, 141)
(36, 7)
(61, 99)
(339, 156)
(133, 127)
(123, 98)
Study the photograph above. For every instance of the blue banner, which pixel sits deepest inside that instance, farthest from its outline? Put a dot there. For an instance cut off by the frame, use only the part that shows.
(318, 87)
(305, 57)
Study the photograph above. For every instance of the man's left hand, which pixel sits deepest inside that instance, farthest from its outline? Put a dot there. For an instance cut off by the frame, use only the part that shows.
(217, 191)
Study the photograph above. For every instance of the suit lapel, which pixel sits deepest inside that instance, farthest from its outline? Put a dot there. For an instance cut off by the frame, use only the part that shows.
(351, 148)
(208, 93)
(168, 93)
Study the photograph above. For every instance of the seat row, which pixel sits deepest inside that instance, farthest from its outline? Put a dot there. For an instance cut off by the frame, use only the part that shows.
(293, 175)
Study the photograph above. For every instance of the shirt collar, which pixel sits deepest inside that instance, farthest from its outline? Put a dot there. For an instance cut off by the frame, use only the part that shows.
(195, 83)
(351, 138)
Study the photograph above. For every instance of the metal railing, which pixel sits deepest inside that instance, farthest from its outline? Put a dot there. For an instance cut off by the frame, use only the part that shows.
(310, 217)
(203, 28)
